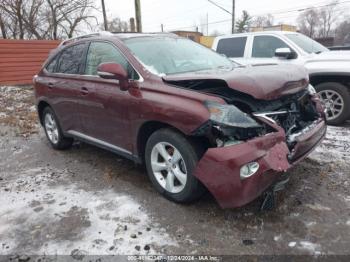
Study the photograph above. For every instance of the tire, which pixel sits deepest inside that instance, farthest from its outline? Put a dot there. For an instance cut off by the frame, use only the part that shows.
(184, 190)
(333, 94)
(53, 131)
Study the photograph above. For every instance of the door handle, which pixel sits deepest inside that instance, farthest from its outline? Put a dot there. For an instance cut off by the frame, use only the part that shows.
(84, 91)
(51, 85)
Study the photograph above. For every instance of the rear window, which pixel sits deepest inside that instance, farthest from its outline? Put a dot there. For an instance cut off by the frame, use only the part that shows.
(71, 59)
(232, 47)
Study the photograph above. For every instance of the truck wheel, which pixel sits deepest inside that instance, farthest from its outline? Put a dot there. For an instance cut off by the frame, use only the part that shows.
(53, 130)
(170, 161)
(336, 99)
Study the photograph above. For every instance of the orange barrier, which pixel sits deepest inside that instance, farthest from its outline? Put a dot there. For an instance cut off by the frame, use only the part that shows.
(20, 60)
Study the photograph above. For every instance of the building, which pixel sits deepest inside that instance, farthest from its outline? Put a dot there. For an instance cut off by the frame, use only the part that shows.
(197, 37)
(281, 27)
(193, 35)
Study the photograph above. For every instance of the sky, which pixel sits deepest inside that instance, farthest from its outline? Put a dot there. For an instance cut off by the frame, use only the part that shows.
(187, 14)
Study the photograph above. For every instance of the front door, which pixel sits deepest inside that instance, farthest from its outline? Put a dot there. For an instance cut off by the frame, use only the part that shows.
(104, 106)
(263, 50)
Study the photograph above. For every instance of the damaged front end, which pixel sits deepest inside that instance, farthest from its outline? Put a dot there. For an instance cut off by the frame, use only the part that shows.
(297, 114)
(244, 118)
(251, 141)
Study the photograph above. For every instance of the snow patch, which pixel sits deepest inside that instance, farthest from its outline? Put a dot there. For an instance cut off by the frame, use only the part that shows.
(277, 238)
(64, 219)
(292, 244)
(318, 207)
(314, 248)
(306, 245)
(310, 224)
(335, 147)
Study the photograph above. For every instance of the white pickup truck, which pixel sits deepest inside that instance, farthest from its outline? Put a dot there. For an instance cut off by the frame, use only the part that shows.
(329, 70)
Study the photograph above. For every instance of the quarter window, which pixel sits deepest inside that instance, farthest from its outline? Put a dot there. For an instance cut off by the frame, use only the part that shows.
(264, 46)
(101, 52)
(52, 65)
(232, 47)
(71, 59)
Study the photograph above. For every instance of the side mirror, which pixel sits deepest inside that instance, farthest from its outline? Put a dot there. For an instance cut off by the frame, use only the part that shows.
(114, 71)
(285, 52)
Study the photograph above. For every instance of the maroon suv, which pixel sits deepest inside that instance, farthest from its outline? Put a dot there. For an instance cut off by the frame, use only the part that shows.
(196, 119)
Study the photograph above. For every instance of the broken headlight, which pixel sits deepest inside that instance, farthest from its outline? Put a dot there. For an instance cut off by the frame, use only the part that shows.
(229, 115)
(230, 125)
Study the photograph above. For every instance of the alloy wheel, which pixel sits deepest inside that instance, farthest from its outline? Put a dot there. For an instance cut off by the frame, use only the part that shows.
(168, 167)
(51, 128)
(333, 102)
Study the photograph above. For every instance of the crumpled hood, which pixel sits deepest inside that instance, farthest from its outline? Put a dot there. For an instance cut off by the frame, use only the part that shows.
(266, 82)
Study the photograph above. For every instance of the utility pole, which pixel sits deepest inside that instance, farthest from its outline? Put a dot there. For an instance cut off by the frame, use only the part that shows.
(207, 24)
(132, 25)
(233, 15)
(104, 15)
(138, 16)
(162, 27)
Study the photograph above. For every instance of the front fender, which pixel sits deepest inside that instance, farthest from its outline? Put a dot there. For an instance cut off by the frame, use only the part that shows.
(179, 108)
(184, 114)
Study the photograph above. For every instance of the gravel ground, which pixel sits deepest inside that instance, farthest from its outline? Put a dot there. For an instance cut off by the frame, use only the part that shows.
(90, 201)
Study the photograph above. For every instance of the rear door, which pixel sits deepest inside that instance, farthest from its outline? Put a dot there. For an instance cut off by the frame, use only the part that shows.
(62, 79)
(104, 110)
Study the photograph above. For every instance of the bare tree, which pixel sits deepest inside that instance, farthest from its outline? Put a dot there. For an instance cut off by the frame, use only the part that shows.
(35, 19)
(66, 15)
(263, 21)
(3, 25)
(117, 25)
(13, 11)
(44, 19)
(342, 33)
(327, 17)
(308, 22)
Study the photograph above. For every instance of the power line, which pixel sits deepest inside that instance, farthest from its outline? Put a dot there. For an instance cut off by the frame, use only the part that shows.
(281, 11)
(278, 12)
(300, 9)
(212, 2)
(231, 13)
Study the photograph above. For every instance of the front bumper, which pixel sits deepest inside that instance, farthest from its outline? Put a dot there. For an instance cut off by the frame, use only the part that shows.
(219, 168)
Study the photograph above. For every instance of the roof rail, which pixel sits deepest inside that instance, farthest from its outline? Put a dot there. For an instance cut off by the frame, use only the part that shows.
(73, 39)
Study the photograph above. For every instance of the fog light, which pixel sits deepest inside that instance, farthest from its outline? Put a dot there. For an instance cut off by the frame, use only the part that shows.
(249, 169)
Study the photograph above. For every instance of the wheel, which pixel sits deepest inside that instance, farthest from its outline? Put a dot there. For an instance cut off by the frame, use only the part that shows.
(53, 131)
(170, 161)
(336, 99)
